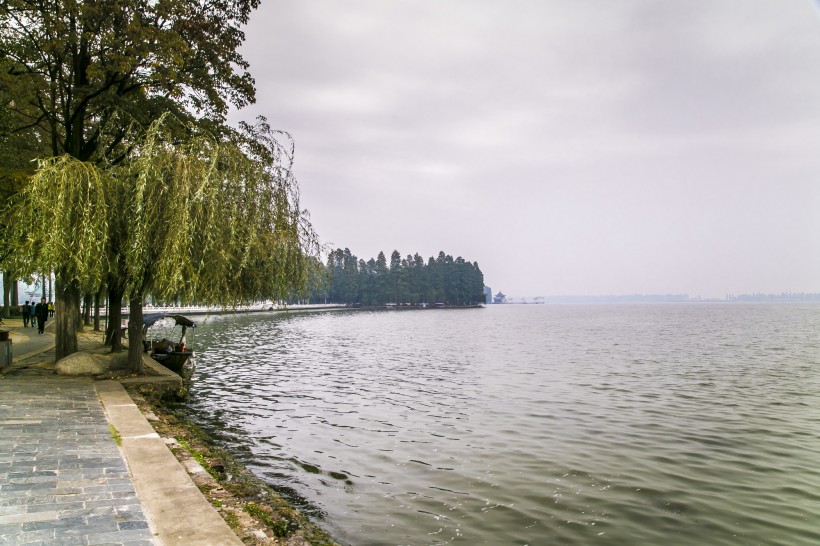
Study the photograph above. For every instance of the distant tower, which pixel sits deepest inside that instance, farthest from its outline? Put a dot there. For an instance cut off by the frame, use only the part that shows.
(500, 298)
(488, 294)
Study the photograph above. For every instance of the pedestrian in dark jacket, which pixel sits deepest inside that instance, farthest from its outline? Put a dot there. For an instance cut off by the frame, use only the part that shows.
(41, 310)
(26, 312)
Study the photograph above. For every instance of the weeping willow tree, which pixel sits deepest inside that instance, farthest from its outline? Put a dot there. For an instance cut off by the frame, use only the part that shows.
(58, 223)
(211, 221)
(76, 76)
(191, 217)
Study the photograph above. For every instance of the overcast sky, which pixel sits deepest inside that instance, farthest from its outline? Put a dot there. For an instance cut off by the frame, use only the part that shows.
(567, 146)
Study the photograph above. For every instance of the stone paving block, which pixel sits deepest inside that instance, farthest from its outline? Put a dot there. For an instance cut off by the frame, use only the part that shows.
(10, 529)
(124, 495)
(92, 526)
(52, 462)
(68, 491)
(14, 501)
(130, 525)
(69, 475)
(105, 495)
(55, 524)
(17, 458)
(81, 540)
(84, 512)
(26, 517)
(21, 467)
(60, 506)
(113, 488)
(37, 537)
(33, 474)
(117, 481)
(110, 502)
(11, 488)
(121, 537)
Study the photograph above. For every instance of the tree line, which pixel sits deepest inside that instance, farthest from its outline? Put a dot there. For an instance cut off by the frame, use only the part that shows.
(404, 280)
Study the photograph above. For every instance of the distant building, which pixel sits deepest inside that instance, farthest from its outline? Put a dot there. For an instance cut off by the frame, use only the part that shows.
(500, 298)
(488, 294)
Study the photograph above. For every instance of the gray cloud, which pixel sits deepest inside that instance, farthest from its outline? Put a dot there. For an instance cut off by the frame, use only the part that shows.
(567, 146)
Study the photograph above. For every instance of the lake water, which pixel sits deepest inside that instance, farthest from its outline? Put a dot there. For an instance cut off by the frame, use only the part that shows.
(683, 424)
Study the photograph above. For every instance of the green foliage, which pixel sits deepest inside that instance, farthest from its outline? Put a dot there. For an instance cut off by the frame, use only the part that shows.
(68, 200)
(85, 69)
(201, 219)
(280, 528)
(20, 143)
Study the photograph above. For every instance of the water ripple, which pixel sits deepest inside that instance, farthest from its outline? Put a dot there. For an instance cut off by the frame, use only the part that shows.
(619, 424)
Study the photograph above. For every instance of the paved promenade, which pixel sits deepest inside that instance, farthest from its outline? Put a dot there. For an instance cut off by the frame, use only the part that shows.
(64, 479)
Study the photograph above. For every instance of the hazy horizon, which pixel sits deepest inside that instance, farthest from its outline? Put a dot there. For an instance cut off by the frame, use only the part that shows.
(568, 147)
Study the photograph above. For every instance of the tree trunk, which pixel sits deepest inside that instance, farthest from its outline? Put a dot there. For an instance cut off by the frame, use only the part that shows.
(112, 333)
(88, 301)
(97, 298)
(135, 335)
(6, 294)
(67, 317)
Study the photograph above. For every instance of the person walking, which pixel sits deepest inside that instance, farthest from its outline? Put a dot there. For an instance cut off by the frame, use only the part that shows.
(33, 316)
(51, 309)
(41, 311)
(26, 312)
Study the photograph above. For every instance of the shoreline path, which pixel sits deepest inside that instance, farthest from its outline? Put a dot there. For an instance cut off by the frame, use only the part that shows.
(63, 477)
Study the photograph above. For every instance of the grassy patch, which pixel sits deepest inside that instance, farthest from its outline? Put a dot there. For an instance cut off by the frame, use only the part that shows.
(115, 434)
(198, 456)
(231, 519)
(280, 528)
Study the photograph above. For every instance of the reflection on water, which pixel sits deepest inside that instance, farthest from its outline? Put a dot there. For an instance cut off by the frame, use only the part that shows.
(565, 424)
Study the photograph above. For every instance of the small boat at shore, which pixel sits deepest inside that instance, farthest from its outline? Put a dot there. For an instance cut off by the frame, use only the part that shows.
(175, 356)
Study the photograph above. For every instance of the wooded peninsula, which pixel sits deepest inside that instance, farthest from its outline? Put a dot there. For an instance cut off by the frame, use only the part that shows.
(409, 280)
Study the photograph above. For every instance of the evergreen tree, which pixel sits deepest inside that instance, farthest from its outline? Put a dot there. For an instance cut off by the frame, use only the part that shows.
(395, 276)
(351, 273)
(382, 293)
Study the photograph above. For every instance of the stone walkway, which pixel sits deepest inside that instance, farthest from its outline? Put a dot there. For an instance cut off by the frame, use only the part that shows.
(62, 477)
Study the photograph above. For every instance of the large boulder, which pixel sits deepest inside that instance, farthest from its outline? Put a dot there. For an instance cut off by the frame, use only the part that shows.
(81, 364)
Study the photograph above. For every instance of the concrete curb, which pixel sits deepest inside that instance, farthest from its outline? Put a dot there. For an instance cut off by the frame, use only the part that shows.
(177, 512)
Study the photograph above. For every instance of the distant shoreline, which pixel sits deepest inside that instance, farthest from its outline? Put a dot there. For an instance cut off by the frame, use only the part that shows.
(268, 308)
(671, 298)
